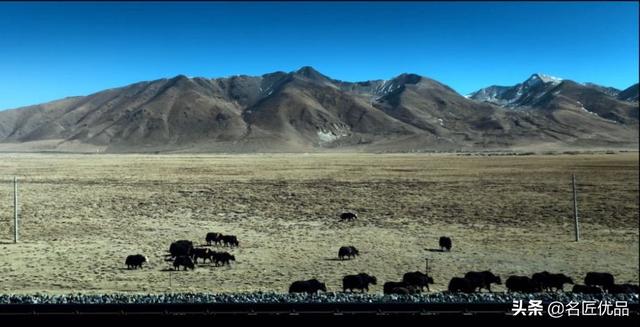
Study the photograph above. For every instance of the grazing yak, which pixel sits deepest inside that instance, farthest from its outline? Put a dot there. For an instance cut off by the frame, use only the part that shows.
(348, 252)
(604, 280)
(181, 248)
(358, 282)
(310, 286)
(550, 282)
(399, 288)
(230, 240)
(522, 284)
(348, 216)
(557, 281)
(445, 243)
(213, 238)
(417, 279)
(482, 279)
(622, 289)
(540, 279)
(221, 258)
(135, 261)
(461, 284)
(200, 253)
(405, 290)
(584, 289)
(184, 261)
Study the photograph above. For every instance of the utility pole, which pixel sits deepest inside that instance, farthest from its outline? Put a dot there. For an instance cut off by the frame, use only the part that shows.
(575, 209)
(426, 268)
(15, 209)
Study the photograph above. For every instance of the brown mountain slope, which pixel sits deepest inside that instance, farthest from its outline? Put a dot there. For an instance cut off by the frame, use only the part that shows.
(629, 94)
(570, 95)
(308, 111)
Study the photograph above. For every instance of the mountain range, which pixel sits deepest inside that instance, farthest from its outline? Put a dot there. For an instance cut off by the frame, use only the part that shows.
(305, 111)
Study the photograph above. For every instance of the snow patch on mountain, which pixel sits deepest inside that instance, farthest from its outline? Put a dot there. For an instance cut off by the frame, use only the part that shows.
(545, 78)
(387, 87)
(326, 136)
(536, 86)
(582, 107)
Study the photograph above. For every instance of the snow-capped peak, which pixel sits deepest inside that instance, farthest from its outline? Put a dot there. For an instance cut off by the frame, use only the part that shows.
(546, 78)
(513, 96)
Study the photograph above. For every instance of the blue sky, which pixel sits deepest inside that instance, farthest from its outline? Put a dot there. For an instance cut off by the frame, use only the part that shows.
(52, 50)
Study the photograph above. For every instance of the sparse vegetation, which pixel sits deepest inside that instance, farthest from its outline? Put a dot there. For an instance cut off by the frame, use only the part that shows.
(81, 215)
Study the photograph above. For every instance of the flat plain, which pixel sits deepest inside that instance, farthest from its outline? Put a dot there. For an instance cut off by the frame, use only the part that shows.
(81, 215)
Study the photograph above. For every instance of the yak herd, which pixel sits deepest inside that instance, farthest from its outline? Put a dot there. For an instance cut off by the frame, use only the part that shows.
(185, 255)
(475, 281)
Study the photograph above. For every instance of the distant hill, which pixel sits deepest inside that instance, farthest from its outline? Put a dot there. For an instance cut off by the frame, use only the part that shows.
(629, 94)
(305, 110)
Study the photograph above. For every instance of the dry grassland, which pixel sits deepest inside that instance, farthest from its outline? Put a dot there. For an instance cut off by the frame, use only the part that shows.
(82, 214)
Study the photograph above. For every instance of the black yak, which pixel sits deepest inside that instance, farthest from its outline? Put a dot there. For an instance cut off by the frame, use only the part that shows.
(461, 284)
(181, 248)
(213, 238)
(184, 261)
(540, 279)
(522, 284)
(358, 282)
(230, 240)
(135, 261)
(348, 216)
(348, 252)
(622, 289)
(310, 286)
(417, 279)
(556, 282)
(586, 289)
(407, 290)
(403, 290)
(551, 282)
(482, 279)
(221, 258)
(200, 253)
(445, 243)
(603, 280)
(399, 288)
